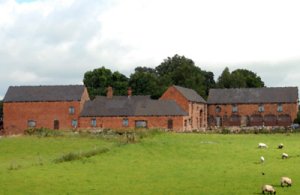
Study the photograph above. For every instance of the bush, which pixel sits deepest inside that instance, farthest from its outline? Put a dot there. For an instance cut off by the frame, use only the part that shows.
(80, 155)
(43, 132)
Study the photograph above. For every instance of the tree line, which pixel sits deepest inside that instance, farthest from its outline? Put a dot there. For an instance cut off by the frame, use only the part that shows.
(176, 70)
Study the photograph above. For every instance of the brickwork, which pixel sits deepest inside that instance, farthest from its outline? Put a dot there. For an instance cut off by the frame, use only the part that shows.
(163, 122)
(17, 114)
(197, 112)
(249, 114)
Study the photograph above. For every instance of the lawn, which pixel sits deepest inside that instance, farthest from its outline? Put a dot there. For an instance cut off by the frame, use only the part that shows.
(167, 163)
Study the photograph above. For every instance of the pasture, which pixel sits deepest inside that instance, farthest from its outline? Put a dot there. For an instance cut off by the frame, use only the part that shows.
(164, 163)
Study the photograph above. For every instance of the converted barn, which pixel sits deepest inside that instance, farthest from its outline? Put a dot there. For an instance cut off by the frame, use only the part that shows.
(54, 107)
(276, 106)
(192, 103)
(123, 112)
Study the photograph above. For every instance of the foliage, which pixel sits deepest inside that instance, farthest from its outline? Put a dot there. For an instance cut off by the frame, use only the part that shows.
(144, 81)
(99, 79)
(297, 120)
(240, 78)
(182, 71)
(80, 155)
(176, 70)
(43, 132)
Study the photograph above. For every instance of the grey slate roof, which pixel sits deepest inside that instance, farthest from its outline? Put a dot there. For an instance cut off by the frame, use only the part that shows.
(44, 93)
(253, 95)
(133, 106)
(190, 94)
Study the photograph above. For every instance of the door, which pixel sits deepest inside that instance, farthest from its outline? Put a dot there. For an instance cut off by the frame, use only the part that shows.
(56, 124)
(218, 121)
(170, 124)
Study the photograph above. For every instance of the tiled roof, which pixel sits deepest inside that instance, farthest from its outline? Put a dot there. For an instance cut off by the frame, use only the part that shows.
(253, 95)
(44, 93)
(190, 94)
(132, 106)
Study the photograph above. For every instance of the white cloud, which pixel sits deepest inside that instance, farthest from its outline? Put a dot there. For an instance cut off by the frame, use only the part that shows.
(53, 41)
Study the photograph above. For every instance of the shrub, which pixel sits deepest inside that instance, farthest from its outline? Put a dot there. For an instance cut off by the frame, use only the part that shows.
(43, 132)
(80, 155)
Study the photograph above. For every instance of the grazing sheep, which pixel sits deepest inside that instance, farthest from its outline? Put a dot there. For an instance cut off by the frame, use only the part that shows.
(284, 156)
(262, 145)
(268, 189)
(262, 159)
(287, 181)
(280, 146)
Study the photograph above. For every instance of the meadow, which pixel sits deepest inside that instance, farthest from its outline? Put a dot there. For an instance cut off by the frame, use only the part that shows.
(162, 163)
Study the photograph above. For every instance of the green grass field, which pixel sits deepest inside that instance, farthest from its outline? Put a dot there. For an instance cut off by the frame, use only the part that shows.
(167, 163)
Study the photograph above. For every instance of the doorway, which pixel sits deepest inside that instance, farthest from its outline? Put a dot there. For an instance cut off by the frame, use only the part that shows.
(170, 124)
(56, 124)
(218, 121)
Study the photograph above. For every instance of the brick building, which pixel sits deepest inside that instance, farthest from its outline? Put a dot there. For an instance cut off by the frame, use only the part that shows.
(122, 112)
(55, 107)
(178, 109)
(253, 106)
(192, 103)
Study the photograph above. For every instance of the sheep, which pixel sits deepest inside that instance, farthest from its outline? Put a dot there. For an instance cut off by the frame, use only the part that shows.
(269, 189)
(262, 159)
(287, 181)
(284, 156)
(262, 145)
(280, 146)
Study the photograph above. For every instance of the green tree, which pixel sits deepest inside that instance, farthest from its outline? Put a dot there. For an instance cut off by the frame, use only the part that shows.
(240, 78)
(224, 80)
(99, 79)
(182, 71)
(247, 78)
(144, 81)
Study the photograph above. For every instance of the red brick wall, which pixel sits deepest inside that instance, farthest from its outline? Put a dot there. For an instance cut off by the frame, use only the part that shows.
(16, 115)
(252, 109)
(117, 122)
(173, 94)
(197, 112)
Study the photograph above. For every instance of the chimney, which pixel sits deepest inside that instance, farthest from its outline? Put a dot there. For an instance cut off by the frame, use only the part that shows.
(129, 92)
(110, 92)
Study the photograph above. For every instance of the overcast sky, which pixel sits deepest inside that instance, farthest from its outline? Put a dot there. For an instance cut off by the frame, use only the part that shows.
(57, 41)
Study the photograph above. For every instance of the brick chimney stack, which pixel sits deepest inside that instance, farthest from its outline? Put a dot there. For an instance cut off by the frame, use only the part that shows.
(129, 92)
(110, 92)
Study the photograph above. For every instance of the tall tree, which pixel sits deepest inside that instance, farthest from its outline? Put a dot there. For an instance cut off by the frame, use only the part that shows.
(144, 81)
(247, 78)
(240, 78)
(182, 71)
(99, 79)
(224, 80)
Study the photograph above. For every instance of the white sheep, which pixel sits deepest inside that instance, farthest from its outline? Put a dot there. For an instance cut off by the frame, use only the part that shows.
(286, 180)
(284, 156)
(268, 189)
(262, 159)
(280, 146)
(262, 145)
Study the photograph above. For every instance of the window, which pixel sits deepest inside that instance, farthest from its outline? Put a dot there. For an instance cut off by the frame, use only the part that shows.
(279, 108)
(71, 110)
(141, 124)
(234, 108)
(125, 122)
(261, 108)
(93, 122)
(185, 123)
(74, 123)
(218, 109)
(31, 123)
